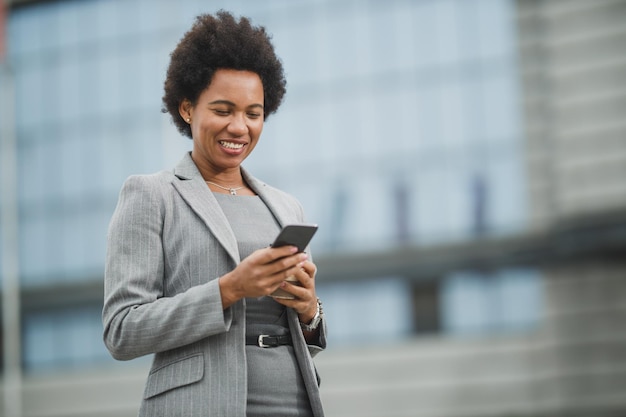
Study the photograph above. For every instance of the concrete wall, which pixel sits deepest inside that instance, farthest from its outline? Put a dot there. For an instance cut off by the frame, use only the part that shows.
(573, 63)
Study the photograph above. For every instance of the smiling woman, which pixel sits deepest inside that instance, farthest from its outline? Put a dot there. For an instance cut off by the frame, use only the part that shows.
(189, 273)
(226, 124)
(221, 42)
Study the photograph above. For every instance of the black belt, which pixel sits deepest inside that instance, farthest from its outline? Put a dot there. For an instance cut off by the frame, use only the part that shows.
(266, 340)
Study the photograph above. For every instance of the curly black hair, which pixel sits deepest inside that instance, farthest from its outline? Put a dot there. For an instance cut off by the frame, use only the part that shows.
(221, 42)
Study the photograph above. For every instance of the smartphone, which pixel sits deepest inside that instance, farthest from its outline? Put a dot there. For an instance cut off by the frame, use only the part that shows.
(298, 235)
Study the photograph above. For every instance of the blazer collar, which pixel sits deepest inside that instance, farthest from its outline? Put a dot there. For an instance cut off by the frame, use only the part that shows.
(273, 199)
(193, 189)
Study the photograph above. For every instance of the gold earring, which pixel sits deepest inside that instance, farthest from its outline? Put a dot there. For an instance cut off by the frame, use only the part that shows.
(188, 120)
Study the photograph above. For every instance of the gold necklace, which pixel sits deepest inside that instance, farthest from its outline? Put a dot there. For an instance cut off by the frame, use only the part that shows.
(233, 191)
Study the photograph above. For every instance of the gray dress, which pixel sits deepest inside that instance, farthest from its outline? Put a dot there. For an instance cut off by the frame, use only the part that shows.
(275, 385)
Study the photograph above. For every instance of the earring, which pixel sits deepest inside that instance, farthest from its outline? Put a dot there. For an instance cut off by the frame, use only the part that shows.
(188, 120)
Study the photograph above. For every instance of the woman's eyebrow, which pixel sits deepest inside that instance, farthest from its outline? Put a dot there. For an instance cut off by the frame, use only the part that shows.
(226, 102)
(231, 104)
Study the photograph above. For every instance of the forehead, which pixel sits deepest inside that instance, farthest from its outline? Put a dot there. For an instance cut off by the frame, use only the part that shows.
(240, 87)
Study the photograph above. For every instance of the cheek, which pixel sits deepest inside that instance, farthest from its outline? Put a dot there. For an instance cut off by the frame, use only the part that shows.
(210, 127)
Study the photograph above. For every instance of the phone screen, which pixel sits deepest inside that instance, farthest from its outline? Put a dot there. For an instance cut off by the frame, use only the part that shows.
(298, 235)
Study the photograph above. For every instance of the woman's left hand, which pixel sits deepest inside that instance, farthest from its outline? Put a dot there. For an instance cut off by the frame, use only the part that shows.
(305, 303)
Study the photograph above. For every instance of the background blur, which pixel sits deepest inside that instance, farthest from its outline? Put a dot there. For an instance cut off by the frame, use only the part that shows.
(465, 160)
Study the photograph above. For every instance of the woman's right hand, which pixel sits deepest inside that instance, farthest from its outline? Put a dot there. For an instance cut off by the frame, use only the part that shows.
(260, 274)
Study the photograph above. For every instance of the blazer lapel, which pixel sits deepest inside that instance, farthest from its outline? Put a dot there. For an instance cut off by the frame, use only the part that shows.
(282, 212)
(194, 191)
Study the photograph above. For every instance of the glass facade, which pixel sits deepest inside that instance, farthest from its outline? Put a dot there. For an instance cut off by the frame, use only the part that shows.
(400, 126)
(69, 337)
(501, 301)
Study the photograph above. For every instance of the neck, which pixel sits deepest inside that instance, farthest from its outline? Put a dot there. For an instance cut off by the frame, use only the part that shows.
(230, 177)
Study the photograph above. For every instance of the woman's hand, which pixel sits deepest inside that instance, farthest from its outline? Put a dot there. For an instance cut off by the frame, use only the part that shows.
(261, 273)
(305, 302)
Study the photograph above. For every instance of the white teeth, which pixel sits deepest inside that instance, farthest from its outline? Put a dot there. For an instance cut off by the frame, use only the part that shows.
(231, 145)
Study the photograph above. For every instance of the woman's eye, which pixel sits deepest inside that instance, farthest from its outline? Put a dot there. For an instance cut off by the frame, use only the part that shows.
(221, 112)
(254, 115)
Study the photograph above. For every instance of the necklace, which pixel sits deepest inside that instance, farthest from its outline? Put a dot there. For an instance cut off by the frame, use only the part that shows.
(233, 191)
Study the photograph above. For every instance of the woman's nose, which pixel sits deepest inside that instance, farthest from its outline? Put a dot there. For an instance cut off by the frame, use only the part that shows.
(238, 125)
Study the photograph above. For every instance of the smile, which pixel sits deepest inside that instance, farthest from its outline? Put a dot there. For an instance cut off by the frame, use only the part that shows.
(231, 145)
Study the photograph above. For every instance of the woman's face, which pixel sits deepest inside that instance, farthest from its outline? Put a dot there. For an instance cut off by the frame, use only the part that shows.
(226, 121)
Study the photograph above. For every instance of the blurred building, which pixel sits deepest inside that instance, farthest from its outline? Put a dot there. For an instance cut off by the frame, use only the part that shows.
(466, 162)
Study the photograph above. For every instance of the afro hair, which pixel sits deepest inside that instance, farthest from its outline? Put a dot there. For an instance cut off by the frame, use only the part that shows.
(221, 42)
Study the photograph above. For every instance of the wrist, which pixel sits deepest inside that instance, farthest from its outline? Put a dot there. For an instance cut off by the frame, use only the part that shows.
(308, 315)
(228, 292)
(313, 322)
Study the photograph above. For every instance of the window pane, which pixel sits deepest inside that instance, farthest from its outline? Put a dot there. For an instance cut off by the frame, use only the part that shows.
(479, 302)
(348, 303)
(63, 338)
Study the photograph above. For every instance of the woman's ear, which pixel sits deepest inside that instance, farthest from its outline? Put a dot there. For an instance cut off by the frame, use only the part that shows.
(184, 109)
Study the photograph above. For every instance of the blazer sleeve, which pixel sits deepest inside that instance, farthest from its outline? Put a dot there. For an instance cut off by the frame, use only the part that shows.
(137, 318)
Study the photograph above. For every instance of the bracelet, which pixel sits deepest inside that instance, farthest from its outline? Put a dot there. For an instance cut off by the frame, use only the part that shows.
(317, 318)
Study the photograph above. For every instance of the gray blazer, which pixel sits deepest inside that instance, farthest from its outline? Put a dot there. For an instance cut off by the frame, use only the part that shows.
(168, 242)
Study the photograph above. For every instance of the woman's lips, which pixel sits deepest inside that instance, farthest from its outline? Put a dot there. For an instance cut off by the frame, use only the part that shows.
(232, 147)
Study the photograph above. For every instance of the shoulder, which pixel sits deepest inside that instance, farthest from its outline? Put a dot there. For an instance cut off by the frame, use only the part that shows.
(147, 184)
(156, 180)
(144, 192)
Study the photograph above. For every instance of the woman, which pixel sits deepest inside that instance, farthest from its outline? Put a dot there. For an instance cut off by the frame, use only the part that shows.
(189, 272)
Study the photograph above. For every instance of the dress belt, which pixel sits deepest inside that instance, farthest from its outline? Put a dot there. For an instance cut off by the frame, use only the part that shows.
(266, 340)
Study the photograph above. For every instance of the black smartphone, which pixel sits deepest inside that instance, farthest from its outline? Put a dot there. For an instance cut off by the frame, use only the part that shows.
(298, 235)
